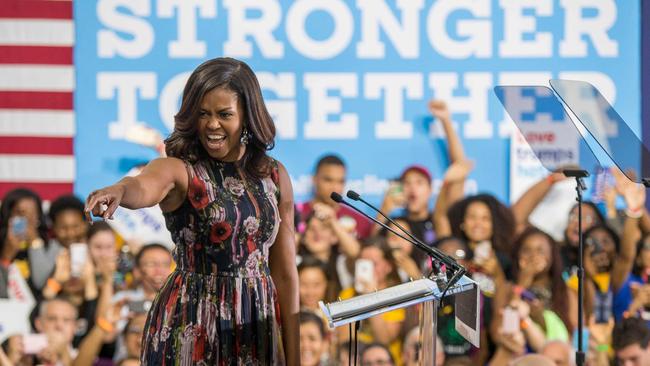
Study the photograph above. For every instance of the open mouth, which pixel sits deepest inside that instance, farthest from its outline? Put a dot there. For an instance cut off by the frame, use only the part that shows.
(216, 138)
(215, 141)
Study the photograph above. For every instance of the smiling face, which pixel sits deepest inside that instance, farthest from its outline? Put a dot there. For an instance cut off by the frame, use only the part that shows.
(312, 344)
(102, 246)
(220, 125)
(477, 223)
(313, 286)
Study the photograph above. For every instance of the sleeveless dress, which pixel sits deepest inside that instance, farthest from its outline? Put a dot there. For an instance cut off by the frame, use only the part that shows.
(219, 306)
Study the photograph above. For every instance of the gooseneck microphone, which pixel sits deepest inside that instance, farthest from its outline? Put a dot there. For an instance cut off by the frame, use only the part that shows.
(432, 252)
(457, 271)
(339, 199)
(357, 197)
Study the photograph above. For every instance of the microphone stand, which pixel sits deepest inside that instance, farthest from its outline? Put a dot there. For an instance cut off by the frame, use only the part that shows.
(578, 174)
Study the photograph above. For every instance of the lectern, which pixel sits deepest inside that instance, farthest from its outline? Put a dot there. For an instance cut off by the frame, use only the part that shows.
(425, 291)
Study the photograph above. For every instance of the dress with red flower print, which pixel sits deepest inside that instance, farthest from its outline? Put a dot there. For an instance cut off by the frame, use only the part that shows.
(220, 306)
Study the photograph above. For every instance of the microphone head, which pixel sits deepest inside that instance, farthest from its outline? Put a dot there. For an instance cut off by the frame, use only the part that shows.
(336, 197)
(353, 195)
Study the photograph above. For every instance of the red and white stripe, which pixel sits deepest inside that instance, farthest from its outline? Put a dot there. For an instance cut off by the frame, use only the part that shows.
(37, 122)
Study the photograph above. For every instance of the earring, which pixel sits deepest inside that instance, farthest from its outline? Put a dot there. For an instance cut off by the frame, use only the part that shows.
(244, 137)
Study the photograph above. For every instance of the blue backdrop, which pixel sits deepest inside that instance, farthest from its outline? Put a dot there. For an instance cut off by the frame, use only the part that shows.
(351, 77)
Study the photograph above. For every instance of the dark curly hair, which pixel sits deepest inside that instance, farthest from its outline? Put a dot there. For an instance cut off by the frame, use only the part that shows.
(558, 289)
(236, 76)
(503, 221)
(9, 201)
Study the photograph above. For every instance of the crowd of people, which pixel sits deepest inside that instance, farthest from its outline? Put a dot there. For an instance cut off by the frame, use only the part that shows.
(92, 289)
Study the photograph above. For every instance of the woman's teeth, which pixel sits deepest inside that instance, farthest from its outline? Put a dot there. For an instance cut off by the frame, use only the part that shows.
(216, 138)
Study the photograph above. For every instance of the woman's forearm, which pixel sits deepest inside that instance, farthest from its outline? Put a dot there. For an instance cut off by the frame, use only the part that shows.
(287, 288)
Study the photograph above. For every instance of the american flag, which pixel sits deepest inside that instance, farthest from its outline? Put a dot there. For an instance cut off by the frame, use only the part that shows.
(37, 121)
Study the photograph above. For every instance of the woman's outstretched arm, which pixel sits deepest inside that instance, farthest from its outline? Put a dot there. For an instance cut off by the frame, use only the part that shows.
(162, 181)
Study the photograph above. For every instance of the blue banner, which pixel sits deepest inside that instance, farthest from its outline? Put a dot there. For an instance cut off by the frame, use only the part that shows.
(350, 77)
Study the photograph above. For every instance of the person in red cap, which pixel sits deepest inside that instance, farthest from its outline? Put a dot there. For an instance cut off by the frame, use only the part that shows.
(414, 188)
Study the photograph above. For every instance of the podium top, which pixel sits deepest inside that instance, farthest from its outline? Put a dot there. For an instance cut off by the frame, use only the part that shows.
(393, 298)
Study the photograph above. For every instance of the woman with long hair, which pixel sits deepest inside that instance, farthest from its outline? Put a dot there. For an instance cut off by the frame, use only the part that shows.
(233, 297)
(23, 239)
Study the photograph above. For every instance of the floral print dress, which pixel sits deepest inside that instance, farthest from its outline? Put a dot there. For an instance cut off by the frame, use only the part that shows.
(219, 307)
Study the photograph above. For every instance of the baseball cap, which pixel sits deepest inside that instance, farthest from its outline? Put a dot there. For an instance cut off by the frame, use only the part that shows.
(416, 168)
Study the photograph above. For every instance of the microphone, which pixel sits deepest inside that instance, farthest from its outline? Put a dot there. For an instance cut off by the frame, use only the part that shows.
(339, 199)
(357, 197)
(432, 252)
(458, 270)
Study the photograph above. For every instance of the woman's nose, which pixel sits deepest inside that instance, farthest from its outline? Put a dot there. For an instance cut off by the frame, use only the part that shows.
(213, 123)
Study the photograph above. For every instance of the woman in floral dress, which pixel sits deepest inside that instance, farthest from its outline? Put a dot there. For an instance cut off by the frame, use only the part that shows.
(233, 298)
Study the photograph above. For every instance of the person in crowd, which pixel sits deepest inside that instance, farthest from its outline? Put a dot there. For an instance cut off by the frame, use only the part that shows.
(314, 342)
(591, 216)
(132, 361)
(633, 296)
(487, 226)
(329, 176)
(57, 320)
(377, 354)
(67, 218)
(561, 353)
(630, 340)
(511, 344)
(483, 219)
(612, 191)
(411, 261)
(537, 280)
(412, 349)
(343, 352)
(532, 360)
(153, 265)
(608, 261)
(414, 262)
(23, 240)
(633, 299)
(460, 361)
(385, 328)
(315, 284)
(78, 286)
(102, 247)
(413, 190)
(328, 241)
(132, 335)
(229, 207)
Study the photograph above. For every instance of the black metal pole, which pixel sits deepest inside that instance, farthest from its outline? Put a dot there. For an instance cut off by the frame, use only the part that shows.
(578, 174)
(580, 354)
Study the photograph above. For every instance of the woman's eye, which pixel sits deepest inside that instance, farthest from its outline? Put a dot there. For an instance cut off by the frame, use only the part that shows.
(225, 114)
